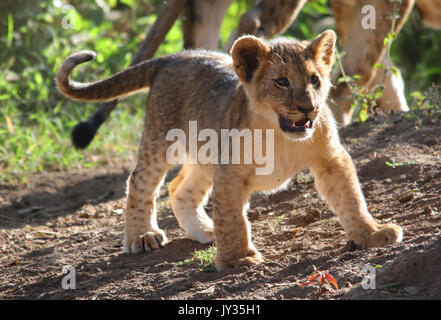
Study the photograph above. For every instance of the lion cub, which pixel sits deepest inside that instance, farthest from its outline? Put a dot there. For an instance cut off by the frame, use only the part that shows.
(279, 88)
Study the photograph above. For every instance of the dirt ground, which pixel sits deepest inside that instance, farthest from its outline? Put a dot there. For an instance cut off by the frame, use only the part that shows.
(76, 218)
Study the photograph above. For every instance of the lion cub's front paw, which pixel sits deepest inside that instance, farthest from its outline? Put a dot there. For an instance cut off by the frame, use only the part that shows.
(151, 240)
(253, 257)
(386, 234)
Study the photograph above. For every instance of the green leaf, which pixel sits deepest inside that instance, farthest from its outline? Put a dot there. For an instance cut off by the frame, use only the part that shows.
(363, 115)
(432, 71)
(129, 3)
(377, 66)
(394, 71)
(112, 3)
(379, 92)
(10, 36)
(390, 37)
(305, 30)
(38, 78)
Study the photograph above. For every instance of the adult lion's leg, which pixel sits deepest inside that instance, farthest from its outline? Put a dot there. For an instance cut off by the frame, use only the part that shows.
(342, 11)
(267, 19)
(363, 48)
(430, 12)
(393, 94)
(202, 22)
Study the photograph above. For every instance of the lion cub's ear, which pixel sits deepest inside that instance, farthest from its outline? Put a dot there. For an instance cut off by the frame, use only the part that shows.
(248, 53)
(323, 48)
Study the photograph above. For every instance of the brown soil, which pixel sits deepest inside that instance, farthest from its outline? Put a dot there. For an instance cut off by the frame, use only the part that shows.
(75, 218)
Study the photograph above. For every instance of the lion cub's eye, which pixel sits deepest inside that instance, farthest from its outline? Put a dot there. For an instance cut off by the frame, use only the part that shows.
(282, 82)
(315, 80)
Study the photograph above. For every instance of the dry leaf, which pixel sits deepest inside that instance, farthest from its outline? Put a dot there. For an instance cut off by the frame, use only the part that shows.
(9, 123)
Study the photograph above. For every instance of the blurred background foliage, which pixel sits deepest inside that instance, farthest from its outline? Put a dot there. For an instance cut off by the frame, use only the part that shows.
(36, 35)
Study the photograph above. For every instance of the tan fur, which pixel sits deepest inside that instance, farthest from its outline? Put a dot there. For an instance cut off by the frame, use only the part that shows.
(223, 92)
(201, 23)
(363, 48)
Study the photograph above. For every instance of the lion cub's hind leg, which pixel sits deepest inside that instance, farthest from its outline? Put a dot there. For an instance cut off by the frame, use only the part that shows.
(141, 228)
(188, 192)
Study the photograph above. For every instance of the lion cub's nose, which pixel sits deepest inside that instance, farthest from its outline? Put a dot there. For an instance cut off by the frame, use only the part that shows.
(305, 109)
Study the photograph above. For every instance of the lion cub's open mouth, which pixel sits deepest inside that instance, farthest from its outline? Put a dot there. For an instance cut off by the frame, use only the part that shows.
(290, 126)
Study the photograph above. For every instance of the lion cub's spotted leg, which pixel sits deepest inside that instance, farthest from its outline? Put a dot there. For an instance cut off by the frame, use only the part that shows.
(336, 180)
(231, 227)
(188, 192)
(141, 231)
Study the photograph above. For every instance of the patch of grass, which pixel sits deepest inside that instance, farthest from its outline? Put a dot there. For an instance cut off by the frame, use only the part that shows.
(364, 100)
(412, 116)
(40, 141)
(35, 119)
(162, 205)
(204, 259)
(373, 125)
(429, 99)
(303, 178)
(277, 220)
(394, 164)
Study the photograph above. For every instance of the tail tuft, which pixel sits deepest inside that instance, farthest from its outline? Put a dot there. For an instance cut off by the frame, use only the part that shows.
(83, 133)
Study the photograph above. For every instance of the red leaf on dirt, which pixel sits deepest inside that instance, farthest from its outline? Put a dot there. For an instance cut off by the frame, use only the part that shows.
(15, 262)
(312, 277)
(323, 277)
(331, 280)
(309, 280)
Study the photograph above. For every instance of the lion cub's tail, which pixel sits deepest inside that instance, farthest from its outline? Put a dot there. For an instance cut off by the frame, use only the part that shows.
(124, 83)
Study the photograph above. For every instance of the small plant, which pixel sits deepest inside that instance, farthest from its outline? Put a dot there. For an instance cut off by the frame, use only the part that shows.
(303, 178)
(320, 278)
(394, 164)
(277, 220)
(429, 99)
(364, 101)
(205, 258)
(433, 96)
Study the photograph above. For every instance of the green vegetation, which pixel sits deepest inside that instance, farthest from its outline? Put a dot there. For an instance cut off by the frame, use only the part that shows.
(394, 164)
(277, 220)
(364, 101)
(204, 258)
(36, 36)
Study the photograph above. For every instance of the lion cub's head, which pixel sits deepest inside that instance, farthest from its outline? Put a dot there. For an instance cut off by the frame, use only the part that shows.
(286, 80)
